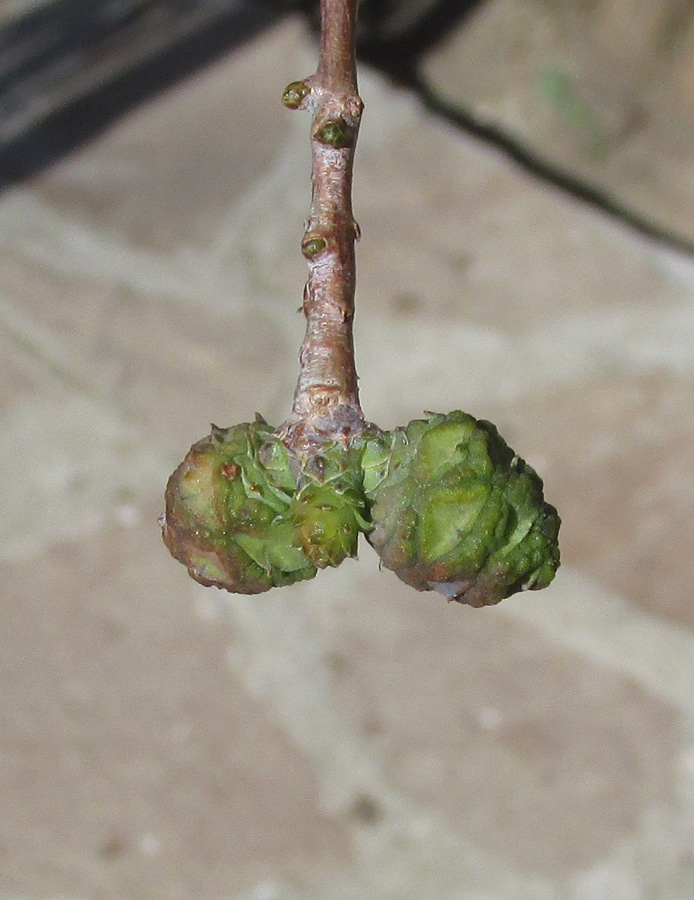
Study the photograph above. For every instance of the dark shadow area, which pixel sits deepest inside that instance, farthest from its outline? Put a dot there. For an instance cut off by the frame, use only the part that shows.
(532, 162)
(71, 68)
(397, 56)
(393, 34)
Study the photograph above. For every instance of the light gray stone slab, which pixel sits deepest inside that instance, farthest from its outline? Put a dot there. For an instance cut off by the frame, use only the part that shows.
(344, 738)
(601, 91)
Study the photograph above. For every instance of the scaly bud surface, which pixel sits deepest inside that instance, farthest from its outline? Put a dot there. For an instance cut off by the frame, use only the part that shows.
(244, 514)
(454, 510)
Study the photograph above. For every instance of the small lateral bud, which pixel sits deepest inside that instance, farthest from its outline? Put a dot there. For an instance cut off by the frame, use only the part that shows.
(336, 133)
(311, 246)
(294, 94)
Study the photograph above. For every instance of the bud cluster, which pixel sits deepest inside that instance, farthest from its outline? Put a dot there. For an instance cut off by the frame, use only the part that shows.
(444, 502)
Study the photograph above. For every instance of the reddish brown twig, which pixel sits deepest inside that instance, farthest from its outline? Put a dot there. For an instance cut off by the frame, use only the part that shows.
(326, 401)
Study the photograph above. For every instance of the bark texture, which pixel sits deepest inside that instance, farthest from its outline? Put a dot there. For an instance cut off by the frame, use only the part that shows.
(326, 401)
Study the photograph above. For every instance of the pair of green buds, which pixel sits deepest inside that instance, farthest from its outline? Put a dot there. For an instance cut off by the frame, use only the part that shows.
(445, 503)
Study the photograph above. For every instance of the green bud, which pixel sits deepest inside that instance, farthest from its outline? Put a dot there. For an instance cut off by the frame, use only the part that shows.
(337, 133)
(454, 510)
(329, 507)
(312, 245)
(294, 94)
(243, 514)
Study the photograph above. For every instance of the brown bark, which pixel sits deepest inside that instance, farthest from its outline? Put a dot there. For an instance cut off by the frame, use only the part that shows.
(326, 402)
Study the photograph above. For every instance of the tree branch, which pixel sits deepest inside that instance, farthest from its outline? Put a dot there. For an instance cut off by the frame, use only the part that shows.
(326, 401)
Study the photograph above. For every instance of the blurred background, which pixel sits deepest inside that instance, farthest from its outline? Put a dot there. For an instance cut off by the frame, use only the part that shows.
(525, 188)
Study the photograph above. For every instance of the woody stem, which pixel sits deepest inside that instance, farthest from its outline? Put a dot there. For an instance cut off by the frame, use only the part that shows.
(326, 401)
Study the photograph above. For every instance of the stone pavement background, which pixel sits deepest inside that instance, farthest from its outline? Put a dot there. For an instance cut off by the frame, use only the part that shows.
(601, 89)
(345, 738)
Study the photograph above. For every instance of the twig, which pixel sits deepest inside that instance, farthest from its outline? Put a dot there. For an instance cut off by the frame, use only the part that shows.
(445, 502)
(326, 401)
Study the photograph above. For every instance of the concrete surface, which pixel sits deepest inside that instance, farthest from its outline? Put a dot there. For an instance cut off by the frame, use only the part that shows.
(602, 89)
(347, 738)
